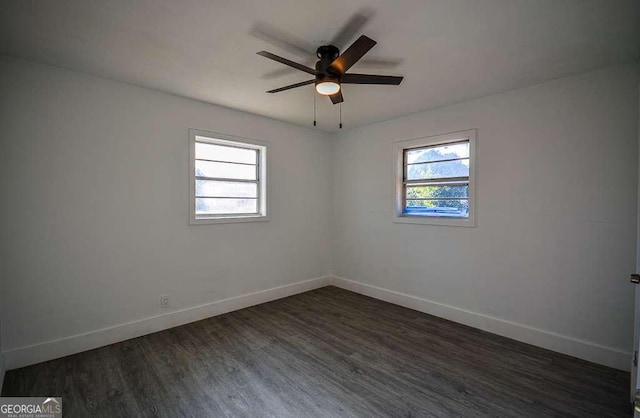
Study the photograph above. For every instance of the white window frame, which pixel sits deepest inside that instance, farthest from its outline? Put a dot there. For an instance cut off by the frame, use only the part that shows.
(399, 148)
(196, 135)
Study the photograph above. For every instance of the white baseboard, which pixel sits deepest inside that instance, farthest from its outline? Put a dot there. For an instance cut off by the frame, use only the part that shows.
(1, 371)
(586, 350)
(49, 350)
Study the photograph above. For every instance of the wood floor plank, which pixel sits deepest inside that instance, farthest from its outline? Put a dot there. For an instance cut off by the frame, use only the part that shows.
(325, 353)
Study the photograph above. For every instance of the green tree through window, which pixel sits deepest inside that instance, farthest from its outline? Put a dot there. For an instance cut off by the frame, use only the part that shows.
(438, 180)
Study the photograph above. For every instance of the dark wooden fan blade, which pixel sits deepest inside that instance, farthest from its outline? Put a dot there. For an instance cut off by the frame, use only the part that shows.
(352, 27)
(292, 86)
(370, 79)
(287, 62)
(352, 54)
(337, 98)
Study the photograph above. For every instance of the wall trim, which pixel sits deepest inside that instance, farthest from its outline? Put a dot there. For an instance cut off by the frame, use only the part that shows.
(1, 371)
(586, 350)
(49, 350)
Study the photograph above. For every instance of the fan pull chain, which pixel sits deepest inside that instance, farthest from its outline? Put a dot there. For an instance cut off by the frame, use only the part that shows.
(314, 108)
(340, 115)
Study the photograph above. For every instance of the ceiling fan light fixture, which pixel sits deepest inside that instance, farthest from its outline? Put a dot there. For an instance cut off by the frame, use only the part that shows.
(327, 87)
(331, 70)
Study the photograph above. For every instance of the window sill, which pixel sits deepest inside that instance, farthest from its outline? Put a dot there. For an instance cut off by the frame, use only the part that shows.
(433, 220)
(229, 220)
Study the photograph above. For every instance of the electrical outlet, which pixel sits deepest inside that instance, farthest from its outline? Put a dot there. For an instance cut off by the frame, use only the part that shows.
(164, 301)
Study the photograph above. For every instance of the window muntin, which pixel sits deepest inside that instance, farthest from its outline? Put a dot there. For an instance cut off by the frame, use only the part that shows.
(435, 180)
(212, 152)
(227, 179)
(221, 188)
(223, 206)
(460, 150)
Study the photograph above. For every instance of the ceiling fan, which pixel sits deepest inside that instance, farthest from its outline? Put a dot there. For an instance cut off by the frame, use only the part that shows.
(331, 69)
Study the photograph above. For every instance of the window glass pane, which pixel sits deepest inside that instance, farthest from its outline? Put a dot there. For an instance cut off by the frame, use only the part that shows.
(438, 153)
(209, 206)
(434, 192)
(438, 170)
(441, 208)
(211, 188)
(224, 153)
(225, 170)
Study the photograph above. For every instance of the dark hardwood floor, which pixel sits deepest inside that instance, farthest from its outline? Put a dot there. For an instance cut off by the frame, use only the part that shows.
(328, 352)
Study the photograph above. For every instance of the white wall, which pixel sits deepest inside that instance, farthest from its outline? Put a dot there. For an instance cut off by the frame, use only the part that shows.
(1, 356)
(556, 215)
(94, 215)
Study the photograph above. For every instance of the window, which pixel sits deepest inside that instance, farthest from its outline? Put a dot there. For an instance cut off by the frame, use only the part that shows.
(227, 178)
(435, 180)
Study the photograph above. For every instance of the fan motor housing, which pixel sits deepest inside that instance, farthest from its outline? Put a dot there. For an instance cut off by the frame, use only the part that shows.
(326, 53)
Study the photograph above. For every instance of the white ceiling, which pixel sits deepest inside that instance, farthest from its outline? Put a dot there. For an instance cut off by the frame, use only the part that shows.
(449, 50)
